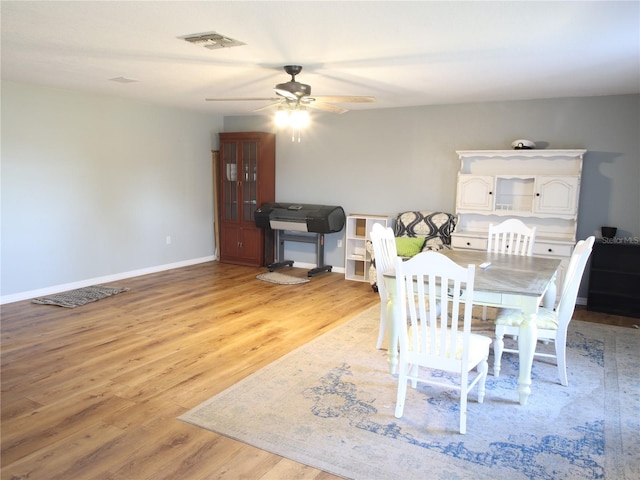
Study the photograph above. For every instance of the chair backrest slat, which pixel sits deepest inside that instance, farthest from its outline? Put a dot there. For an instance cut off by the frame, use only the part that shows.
(512, 237)
(435, 338)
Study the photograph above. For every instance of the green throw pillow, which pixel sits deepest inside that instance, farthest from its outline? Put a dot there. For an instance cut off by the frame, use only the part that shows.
(408, 246)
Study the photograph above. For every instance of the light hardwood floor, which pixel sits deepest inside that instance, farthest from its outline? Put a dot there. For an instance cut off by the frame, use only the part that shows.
(94, 392)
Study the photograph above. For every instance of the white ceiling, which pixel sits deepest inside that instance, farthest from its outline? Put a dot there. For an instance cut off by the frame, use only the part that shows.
(402, 53)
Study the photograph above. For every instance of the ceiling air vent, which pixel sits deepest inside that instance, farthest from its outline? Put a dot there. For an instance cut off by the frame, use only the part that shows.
(123, 80)
(212, 40)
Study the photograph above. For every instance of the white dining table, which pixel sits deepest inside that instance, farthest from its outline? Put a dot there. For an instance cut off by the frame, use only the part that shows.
(511, 281)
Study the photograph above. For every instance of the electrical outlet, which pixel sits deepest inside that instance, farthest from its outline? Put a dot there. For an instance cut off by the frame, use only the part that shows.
(340, 243)
(168, 239)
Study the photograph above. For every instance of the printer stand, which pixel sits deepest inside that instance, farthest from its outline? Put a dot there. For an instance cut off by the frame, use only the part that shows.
(318, 239)
(276, 265)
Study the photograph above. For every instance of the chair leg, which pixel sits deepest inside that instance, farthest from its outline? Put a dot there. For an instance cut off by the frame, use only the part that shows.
(414, 374)
(402, 390)
(383, 325)
(498, 347)
(483, 368)
(464, 392)
(561, 357)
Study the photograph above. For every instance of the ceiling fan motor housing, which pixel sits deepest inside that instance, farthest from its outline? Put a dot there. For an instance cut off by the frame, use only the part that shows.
(293, 88)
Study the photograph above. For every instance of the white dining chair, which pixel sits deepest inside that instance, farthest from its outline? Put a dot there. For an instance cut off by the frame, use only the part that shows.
(552, 324)
(512, 237)
(384, 253)
(429, 341)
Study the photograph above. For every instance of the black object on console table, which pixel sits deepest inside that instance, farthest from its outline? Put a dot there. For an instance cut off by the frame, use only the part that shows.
(285, 218)
(614, 280)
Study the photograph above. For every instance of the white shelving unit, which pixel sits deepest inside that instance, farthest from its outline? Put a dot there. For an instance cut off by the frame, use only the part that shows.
(357, 259)
(539, 187)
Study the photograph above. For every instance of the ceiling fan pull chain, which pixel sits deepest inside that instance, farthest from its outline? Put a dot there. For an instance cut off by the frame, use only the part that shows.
(295, 130)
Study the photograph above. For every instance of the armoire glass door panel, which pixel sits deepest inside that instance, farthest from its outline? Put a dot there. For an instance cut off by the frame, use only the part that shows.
(230, 200)
(249, 191)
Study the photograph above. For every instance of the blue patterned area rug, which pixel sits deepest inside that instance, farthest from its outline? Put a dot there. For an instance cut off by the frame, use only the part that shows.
(330, 405)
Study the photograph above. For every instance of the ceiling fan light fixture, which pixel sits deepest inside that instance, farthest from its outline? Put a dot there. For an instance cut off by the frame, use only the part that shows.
(299, 118)
(294, 116)
(282, 117)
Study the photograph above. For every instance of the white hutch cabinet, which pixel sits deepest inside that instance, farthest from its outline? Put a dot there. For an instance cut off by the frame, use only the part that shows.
(539, 187)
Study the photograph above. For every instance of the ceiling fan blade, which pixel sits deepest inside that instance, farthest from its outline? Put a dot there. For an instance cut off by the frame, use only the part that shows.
(272, 99)
(345, 99)
(270, 105)
(327, 107)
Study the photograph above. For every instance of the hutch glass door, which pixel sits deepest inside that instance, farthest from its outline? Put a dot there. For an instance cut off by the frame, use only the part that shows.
(250, 177)
(230, 190)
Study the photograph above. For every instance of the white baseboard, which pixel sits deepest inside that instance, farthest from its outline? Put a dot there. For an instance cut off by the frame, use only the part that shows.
(17, 297)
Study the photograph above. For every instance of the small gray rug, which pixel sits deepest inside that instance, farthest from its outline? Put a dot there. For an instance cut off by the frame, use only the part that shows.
(281, 278)
(80, 296)
(330, 404)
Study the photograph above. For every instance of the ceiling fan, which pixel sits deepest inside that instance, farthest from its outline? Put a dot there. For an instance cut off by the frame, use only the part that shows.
(294, 94)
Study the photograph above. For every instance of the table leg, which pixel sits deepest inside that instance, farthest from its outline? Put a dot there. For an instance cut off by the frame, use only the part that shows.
(527, 338)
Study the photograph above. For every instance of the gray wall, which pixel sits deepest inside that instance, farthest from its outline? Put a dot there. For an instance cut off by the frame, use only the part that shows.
(387, 161)
(91, 186)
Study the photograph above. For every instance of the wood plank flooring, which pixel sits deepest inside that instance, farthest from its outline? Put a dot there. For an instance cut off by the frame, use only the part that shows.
(94, 392)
